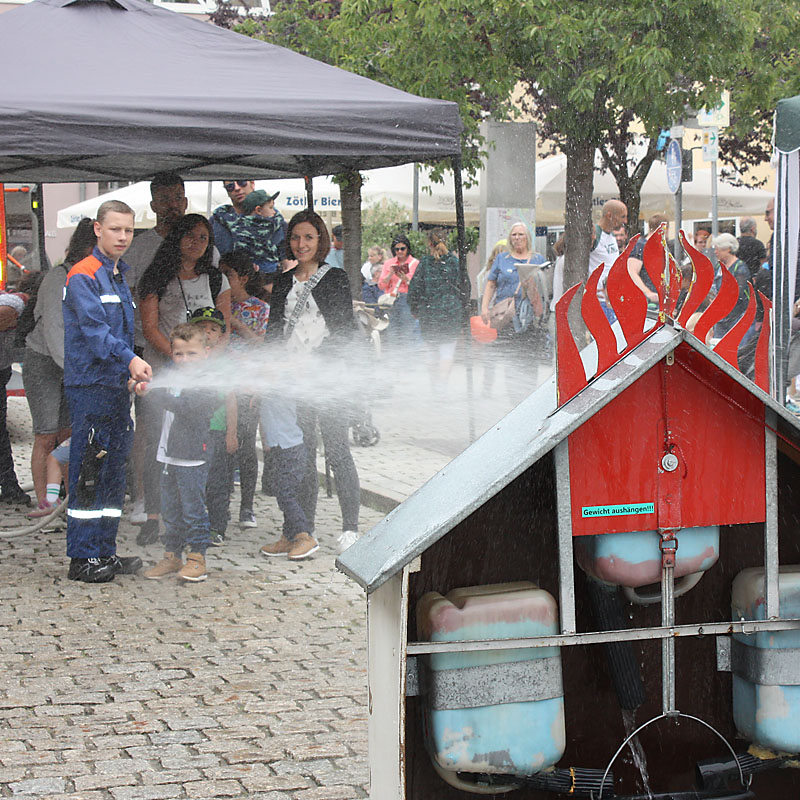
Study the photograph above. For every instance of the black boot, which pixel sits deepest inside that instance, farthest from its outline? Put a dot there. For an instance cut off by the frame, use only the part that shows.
(91, 570)
(124, 565)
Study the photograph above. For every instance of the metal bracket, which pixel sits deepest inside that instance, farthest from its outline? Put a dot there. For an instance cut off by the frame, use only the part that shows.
(724, 653)
(413, 688)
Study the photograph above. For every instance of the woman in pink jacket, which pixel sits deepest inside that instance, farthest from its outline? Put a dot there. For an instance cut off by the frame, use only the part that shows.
(396, 275)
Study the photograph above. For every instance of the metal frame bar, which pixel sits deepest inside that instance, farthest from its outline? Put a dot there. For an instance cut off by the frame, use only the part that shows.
(566, 568)
(458, 196)
(668, 642)
(745, 627)
(771, 556)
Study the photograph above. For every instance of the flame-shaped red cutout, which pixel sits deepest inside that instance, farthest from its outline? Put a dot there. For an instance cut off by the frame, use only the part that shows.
(626, 298)
(702, 281)
(728, 345)
(598, 324)
(762, 347)
(674, 291)
(570, 374)
(653, 259)
(721, 305)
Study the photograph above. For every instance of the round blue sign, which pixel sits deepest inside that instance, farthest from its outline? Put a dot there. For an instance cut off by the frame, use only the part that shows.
(674, 166)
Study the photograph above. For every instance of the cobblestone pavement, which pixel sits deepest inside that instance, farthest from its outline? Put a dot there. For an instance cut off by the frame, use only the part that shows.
(250, 684)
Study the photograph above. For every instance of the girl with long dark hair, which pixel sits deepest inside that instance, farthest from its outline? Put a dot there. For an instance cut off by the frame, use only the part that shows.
(180, 279)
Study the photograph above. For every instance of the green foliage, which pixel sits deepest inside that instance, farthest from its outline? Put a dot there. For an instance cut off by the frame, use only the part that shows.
(382, 222)
(584, 70)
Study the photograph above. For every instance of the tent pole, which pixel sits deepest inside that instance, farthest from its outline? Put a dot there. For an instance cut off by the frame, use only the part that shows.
(462, 263)
(309, 192)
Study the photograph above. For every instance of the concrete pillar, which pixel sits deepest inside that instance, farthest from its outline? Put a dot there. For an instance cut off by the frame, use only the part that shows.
(508, 181)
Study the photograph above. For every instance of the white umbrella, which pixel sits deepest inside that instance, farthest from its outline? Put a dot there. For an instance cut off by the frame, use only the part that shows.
(380, 186)
(733, 201)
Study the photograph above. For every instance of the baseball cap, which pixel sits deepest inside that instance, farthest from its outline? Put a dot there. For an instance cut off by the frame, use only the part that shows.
(208, 314)
(255, 199)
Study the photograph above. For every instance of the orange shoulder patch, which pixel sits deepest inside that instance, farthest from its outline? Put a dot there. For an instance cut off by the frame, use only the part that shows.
(87, 266)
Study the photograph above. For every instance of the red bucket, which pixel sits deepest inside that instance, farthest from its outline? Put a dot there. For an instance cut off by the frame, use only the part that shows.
(481, 332)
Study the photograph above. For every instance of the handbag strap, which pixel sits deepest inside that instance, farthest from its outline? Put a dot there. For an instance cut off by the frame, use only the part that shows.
(302, 300)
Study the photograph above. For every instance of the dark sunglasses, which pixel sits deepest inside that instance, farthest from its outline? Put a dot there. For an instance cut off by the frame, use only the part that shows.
(400, 247)
(231, 185)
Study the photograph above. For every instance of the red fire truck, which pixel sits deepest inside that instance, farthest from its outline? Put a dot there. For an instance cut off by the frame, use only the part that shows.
(21, 225)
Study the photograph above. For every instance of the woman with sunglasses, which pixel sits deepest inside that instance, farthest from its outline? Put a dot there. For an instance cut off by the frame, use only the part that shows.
(395, 277)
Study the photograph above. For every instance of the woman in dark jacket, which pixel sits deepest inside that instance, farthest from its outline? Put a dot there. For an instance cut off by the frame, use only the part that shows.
(319, 320)
(437, 296)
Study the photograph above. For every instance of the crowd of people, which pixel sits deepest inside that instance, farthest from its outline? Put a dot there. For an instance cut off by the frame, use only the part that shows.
(126, 319)
(121, 313)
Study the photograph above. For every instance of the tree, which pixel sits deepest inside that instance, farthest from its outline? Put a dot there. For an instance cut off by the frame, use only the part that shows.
(583, 70)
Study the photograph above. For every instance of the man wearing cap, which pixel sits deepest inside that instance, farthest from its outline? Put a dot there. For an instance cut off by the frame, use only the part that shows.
(250, 222)
(224, 215)
(260, 230)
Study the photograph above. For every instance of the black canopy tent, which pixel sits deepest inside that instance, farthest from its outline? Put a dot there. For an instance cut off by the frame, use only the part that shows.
(124, 89)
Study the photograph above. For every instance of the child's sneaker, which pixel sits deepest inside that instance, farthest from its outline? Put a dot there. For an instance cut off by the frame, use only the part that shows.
(137, 516)
(279, 548)
(194, 569)
(148, 533)
(44, 509)
(346, 539)
(170, 564)
(247, 519)
(303, 546)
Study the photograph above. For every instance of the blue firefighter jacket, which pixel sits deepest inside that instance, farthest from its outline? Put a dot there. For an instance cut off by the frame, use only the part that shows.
(98, 323)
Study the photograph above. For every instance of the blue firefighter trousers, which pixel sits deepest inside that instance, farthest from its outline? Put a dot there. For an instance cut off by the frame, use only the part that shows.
(102, 414)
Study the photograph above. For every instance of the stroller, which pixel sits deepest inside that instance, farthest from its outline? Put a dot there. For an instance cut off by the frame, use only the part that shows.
(372, 319)
(532, 316)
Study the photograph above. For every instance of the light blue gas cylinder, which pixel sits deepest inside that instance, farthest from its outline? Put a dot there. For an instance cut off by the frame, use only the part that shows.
(766, 665)
(498, 712)
(634, 559)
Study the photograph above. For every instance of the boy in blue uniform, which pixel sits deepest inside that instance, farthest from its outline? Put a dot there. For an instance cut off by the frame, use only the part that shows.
(98, 359)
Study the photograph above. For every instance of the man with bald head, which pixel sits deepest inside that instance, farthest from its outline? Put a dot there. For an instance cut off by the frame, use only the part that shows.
(606, 250)
(751, 250)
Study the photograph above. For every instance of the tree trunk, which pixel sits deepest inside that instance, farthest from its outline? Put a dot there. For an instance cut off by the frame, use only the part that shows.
(578, 222)
(350, 193)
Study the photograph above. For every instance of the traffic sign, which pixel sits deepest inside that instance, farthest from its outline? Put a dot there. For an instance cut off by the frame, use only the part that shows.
(717, 117)
(674, 166)
(711, 144)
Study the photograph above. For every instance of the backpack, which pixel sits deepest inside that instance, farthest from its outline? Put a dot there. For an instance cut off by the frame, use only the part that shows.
(26, 322)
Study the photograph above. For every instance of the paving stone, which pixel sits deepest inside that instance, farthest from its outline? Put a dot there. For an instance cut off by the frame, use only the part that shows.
(85, 782)
(38, 787)
(206, 789)
(147, 792)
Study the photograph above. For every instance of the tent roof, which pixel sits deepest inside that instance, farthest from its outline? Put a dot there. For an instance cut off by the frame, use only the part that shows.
(121, 89)
(520, 439)
(787, 125)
